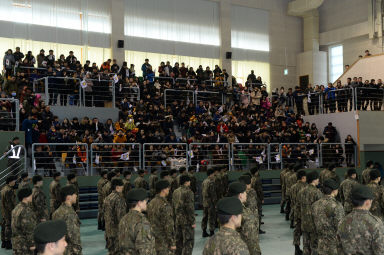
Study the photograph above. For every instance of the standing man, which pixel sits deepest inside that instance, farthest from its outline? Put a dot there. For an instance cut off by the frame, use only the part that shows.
(14, 157)
(100, 214)
(54, 191)
(251, 202)
(258, 186)
(209, 201)
(107, 189)
(135, 233)
(49, 238)
(184, 207)
(140, 182)
(174, 184)
(23, 224)
(327, 214)
(8, 203)
(160, 215)
(227, 241)
(345, 190)
(360, 232)
(66, 213)
(153, 178)
(283, 189)
(329, 173)
(114, 210)
(72, 180)
(365, 174)
(306, 197)
(24, 181)
(127, 182)
(377, 207)
(39, 200)
(290, 178)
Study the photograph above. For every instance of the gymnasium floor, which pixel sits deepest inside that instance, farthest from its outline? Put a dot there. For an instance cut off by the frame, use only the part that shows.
(277, 240)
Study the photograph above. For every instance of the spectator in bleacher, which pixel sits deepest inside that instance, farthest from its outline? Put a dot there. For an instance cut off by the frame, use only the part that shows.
(71, 60)
(18, 55)
(350, 151)
(367, 53)
(29, 60)
(8, 63)
(252, 77)
(115, 67)
(330, 96)
(299, 98)
(144, 68)
(50, 59)
(341, 97)
(311, 99)
(132, 72)
(40, 59)
(11, 87)
(330, 133)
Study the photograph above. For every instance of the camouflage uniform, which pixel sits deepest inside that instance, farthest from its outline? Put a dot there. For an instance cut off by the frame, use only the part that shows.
(8, 203)
(365, 176)
(100, 214)
(327, 214)
(283, 188)
(174, 185)
(114, 210)
(257, 185)
(327, 174)
(55, 199)
(153, 178)
(160, 215)
(226, 242)
(290, 180)
(127, 187)
(76, 206)
(135, 235)
(23, 184)
(218, 187)
(107, 189)
(295, 210)
(251, 202)
(360, 232)
(224, 182)
(249, 231)
(209, 203)
(377, 207)
(193, 182)
(67, 214)
(345, 192)
(140, 182)
(306, 197)
(184, 207)
(39, 204)
(23, 225)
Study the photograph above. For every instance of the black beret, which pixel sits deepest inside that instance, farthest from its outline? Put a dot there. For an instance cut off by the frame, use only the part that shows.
(254, 170)
(182, 169)
(110, 175)
(10, 179)
(164, 174)
(374, 174)
(312, 176)
(362, 192)
(23, 193)
(236, 188)
(135, 195)
(117, 182)
(141, 171)
(36, 179)
(24, 175)
(229, 206)
(71, 177)
(127, 173)
(210, 171)
(67, 191)
(246, 179)
(300, 174)
(184, 179)
(56, 174)
(331, 166)
(351, 172)
(162, 184)
(104, 172)
(173, 171)
(331, 183)
(50, 231)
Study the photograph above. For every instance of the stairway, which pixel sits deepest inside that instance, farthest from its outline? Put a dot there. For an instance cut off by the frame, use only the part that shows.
(88, 200)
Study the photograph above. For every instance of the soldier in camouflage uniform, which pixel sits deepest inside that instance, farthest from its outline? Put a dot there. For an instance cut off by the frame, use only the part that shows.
(227, 240)
(295, 209)
(306, 197)
(174, 184)
(24, 181)
(209, 201)
(72, 180)
(135, 233)
(249, 231)
(360, 232)
(140, 182)
(258, 186)
(183, 203)
(39, 200)
(23, 224)
(327, 214)
(54, 191)
(283, 189)
(251, 202)
(153, 178)
(191, 174)
(114, 210)
(107, 189)
(224, 179)
(100, 185)
(218, 186)
(49, 237)
(182, 171)
(127, 182)
(365, 174)
(160, 215)
(290, 179)
(345, 190)
(8, 203)
(329, 173)
(66, 213)
(377, 207)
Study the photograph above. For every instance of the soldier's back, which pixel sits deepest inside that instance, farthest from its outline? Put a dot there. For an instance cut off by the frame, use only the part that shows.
(114, 210)
(251, 202)
(23, 225)
(345, 191)
(306, 197)
(378, 201)
(39, 204)
(226, 242)
(249, 231)
(365, 176)
(205, 192)
(8, 201)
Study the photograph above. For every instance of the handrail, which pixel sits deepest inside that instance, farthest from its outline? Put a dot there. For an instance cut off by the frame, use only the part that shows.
(6, 155)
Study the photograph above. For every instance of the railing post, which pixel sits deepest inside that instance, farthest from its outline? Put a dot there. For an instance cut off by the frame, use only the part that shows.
(17, 113)
(229, 156)
(355, 99)
(91, 159)
(232, 167)
(80, 101)
(34, 168)
(269, 155)
(320, 154)
(165, 98)
(144, 155)
(113, 94)
(87, 157)
(281, 156)
(46, 90)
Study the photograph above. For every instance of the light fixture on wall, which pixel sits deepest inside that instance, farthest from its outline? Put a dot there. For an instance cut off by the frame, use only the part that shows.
(286, 71)
(286, 64)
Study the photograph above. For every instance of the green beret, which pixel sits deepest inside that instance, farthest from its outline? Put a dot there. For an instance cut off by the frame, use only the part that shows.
(210, 171)
(312, 176)
(67, 191)
(71, 177)
(160, 185)
(351, 172)
(229, 206)
(110, 175)
(331, 183)
(235, 188)
(50, 231)
(246, 179)
(184, 179)
(104, 172)
(374, 174)
(163, 174)
(362, 192)
(135, 195)
(23, 193)
(23, 176)
(36, 179)
(10, 179)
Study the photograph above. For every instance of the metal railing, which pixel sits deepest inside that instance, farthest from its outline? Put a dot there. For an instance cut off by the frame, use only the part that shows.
(341, 155)
(165, 155)
(369, 99)
(16, 163)
(308, 154)
(209, 96)
(171, 95)
(9, 114)
(209, 154)
(64, 157)
(248, 155)
(115, 155)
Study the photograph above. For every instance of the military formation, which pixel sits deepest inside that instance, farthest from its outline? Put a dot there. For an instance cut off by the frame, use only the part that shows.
(330, 217)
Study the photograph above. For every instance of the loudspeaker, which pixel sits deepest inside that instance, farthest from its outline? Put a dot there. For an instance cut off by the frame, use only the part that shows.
(120, 44)
(228, 55)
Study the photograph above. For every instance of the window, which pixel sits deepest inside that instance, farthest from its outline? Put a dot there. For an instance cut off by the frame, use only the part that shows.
(336, 67)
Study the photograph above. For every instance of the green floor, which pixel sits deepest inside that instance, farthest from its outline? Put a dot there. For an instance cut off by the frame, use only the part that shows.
(277, 240)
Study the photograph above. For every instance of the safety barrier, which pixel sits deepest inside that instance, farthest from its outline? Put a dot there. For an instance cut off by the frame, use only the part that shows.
(63, 157)
(308, 154)
(209, 155)
(165, 155)
(341, 155)
(9, 114)
(248, 155)
(124, 156)
(369, 99)
(171, 95)
(15, 160)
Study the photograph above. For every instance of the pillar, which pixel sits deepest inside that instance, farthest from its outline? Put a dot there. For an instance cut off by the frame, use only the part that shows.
(225, 36)
(117, 20)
